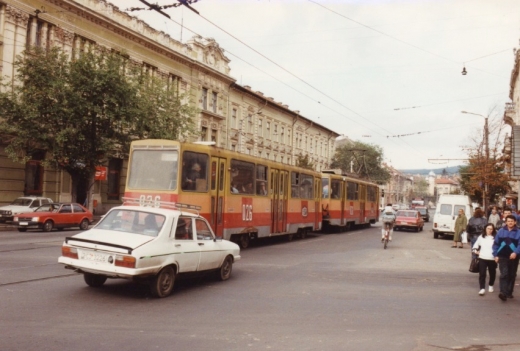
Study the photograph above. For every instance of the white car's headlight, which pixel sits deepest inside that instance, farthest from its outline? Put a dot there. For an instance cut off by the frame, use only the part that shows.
(35, 219)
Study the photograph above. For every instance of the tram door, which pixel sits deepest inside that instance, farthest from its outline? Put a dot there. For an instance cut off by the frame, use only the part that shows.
(278, 193)
(317, 200)
(362, 202)
(343, 204)
(218, 181)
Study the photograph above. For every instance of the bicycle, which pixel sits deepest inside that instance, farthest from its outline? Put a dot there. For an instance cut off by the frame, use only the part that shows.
(386, 237)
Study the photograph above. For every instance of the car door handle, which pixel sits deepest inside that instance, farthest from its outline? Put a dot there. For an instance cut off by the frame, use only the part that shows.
(201, 244)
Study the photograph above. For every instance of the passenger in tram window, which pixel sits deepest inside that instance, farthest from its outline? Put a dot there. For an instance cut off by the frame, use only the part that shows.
(248, 188)
(192, 176)
(335, 191)
(294, 192)
(234, 188)
(325, 192)
(261, 188)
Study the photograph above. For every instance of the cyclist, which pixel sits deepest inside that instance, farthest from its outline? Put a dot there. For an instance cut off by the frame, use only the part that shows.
(388, 219)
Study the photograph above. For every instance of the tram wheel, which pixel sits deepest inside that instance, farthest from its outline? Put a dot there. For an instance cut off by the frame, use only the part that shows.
(244, 241)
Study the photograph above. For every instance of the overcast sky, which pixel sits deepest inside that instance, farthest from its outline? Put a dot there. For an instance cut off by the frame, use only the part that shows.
(368, 69)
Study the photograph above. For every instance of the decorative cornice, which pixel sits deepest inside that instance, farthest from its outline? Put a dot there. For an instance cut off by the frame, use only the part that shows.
(16, 16)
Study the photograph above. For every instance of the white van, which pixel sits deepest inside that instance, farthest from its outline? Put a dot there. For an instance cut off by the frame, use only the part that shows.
(446, 212)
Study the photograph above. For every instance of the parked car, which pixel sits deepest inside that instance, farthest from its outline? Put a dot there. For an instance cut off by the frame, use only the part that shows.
(148, 245)
(408, 219)
(21, 205)
(54, 215)
(424, 213)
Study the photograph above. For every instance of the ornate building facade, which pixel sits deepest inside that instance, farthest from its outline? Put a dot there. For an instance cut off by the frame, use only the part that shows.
(233, 116)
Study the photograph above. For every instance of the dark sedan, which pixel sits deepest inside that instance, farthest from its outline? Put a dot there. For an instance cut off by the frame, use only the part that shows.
(424, 213)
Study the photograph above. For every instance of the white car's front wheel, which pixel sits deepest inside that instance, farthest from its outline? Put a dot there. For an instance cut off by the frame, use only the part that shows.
(225, 269)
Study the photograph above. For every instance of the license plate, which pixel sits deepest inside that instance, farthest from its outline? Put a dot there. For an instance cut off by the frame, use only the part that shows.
(24, 223)
(93, 256)
(404, 222)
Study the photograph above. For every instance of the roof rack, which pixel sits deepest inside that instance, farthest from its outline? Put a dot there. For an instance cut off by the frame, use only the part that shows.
(144, 201)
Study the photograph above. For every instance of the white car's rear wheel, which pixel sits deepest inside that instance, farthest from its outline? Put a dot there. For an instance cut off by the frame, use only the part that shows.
(162, 283)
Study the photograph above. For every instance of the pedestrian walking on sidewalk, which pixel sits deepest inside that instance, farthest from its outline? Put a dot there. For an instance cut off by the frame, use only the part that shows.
(506, 249)
(494, 217)
(484, 249)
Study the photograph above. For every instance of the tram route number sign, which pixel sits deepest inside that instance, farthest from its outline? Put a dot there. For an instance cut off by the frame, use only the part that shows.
(247, 209)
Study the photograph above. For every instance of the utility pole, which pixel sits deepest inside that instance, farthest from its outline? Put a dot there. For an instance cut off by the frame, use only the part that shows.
(486, 161)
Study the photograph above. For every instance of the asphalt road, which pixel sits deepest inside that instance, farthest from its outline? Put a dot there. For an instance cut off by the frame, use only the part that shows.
(326, 292)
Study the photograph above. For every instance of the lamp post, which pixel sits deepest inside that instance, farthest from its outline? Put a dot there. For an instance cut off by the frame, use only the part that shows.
(486, 143)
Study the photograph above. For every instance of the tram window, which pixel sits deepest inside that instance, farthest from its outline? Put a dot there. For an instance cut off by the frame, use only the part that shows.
(261, 180)
(371, 193)
(306, 186)
(325, 188)
(295, 181)
(194, 172)
(242, 177)
(221, 177)
(153, 170)
(352, 191)
(335, 191)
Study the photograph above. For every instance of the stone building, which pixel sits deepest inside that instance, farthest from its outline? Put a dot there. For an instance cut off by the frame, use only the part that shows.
(234, 117)
(512, 117)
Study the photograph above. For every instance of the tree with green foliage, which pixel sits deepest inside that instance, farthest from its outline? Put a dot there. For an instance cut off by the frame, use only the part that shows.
(486, 166)
(84, 111)
(366, 160)
(304, 162)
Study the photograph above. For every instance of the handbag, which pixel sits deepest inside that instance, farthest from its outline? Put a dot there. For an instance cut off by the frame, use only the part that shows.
(464, 237)
(473, 266)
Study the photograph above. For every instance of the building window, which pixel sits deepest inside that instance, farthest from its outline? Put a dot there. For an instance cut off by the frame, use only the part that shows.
(214, 135)
(268, 130)
(260, 128)
(214, 101)
(204, 98)
(114, 175)
(204, 133)
(234, 118)
(249, 123)
(282, 135)
(275, 132)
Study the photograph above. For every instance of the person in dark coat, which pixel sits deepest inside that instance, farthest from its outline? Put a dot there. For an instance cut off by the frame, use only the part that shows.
(475, 227)
(506, 250)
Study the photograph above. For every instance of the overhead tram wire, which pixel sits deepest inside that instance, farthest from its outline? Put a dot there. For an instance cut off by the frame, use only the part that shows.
(300, 79)
(406, 43)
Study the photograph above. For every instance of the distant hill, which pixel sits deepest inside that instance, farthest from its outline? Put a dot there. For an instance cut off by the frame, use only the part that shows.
(425, 171)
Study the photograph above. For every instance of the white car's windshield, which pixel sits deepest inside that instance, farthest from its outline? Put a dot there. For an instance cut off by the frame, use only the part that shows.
(22, 202)
(132, 221)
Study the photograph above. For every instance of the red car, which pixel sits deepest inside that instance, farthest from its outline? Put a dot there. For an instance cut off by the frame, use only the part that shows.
(55, 215)
(409, 219)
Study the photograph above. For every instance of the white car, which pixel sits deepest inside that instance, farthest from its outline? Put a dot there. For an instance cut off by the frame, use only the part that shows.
(148, 244)
(22, 204)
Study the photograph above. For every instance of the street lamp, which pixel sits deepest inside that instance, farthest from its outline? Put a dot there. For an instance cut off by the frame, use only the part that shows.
(486, 141)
